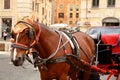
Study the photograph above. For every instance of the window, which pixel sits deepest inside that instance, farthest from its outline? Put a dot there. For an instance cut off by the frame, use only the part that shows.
(71, 15)
(111, 3)
(61, 21)
(61, 15)
(33, 5)
(61, 6)
(70, 22)
(95, 3)
(6, 4)
(37, 7)
(77, 8)
(71, 8)
(42, 10)
(77, 15)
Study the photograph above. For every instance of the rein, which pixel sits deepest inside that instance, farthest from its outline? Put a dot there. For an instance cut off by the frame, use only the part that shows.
(49, 60)
(42, 61)
(58, 48)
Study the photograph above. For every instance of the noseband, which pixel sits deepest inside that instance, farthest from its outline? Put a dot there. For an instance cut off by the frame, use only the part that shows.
(31, 31)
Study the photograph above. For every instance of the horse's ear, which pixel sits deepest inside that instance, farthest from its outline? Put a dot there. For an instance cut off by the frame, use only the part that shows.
(19, 18)
(32, 16)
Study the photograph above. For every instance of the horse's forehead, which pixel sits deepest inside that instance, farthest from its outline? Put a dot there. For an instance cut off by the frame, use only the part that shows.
(19, 28)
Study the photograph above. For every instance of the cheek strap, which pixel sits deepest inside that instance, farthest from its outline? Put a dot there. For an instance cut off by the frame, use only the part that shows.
(27, 57)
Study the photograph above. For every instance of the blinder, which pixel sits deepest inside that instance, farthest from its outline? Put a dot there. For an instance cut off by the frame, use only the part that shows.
(30, 33)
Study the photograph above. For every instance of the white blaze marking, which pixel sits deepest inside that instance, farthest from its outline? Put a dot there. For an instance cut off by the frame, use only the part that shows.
(15, 50)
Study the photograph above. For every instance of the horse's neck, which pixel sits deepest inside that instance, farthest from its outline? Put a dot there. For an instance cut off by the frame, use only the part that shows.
(48, 42)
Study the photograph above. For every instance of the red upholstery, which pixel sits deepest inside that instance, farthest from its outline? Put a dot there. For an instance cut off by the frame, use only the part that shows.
(114, 40)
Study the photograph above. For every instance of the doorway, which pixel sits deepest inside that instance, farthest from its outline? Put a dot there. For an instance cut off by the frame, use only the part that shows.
(6, 26)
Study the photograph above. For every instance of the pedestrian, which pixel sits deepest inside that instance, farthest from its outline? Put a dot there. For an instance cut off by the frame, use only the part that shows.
(4, 35)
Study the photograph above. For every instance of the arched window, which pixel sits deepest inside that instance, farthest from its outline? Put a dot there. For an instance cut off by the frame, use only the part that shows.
(77, 7)
(61, 6)
(110, 21)
(71, 7)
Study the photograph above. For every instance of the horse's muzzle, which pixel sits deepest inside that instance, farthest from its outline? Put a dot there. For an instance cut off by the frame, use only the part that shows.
(18, 62)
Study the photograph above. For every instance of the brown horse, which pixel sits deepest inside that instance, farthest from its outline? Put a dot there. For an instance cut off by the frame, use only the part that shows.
(53, 47)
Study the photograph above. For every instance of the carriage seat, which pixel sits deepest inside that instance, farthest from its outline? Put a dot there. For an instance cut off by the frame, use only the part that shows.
(112, 39)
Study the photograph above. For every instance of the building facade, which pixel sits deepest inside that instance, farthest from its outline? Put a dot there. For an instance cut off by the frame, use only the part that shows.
(100, 13)
(67, 11)
(10, 10)
(43, 10)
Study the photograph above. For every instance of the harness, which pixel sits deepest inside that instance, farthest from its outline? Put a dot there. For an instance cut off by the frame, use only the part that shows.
(42, 62)
(49, 60)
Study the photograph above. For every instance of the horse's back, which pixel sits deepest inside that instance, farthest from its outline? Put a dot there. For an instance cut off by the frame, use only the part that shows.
(86, 44)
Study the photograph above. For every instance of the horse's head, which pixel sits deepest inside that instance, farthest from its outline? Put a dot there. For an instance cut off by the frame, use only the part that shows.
(24, 37)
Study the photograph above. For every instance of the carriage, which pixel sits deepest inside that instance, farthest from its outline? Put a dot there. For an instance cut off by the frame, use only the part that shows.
(107, 40)
(58, 55)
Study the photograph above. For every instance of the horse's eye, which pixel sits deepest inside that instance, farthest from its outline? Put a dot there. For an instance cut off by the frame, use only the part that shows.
(27, 33)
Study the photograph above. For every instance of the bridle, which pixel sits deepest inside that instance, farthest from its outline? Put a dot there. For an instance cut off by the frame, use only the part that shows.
(32, 33)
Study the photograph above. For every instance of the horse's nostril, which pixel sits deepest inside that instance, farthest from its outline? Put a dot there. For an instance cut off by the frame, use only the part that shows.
(19, 58)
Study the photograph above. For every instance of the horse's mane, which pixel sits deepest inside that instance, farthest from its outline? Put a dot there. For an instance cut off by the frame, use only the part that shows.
(45, 26)
(18, 29)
